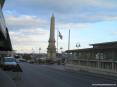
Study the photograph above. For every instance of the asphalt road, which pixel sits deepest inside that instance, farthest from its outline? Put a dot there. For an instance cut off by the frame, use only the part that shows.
(41, 76)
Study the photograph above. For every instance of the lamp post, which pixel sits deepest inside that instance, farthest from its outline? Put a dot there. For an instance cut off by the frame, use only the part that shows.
(61, 49)
(33, 55)
(77, 45)
(39, 55)
(39, 50)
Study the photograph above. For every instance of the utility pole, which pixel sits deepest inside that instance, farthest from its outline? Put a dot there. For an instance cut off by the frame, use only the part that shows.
(57, 40)
(69, 40)
(39, 50)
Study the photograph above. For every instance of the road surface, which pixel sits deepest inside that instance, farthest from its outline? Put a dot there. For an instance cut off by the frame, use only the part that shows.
(41, 76)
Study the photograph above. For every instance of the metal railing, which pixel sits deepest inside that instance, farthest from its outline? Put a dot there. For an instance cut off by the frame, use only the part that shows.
(99, 64)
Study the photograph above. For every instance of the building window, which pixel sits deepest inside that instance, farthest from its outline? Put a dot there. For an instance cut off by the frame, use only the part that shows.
(99, 56)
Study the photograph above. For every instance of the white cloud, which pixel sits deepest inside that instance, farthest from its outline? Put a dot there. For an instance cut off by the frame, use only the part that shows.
(24, 39)
(73, 25)
(67, 3)
(103, 17)
(27, 32)
(66, 10)
(114, 33)
(24, 21)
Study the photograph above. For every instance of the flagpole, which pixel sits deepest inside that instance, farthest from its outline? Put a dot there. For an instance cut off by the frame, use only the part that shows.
(69, 40)
(57, 41)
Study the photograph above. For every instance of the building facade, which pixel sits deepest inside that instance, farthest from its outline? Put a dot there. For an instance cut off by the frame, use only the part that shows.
(103, 56)
(5, 43)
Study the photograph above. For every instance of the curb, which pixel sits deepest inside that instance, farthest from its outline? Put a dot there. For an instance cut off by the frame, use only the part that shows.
(98, 75)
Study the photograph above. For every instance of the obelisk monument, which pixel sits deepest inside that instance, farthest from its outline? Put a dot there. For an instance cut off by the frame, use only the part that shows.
(51, 50)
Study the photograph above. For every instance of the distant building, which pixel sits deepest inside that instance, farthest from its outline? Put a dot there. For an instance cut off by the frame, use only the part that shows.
(5, 43)
(101, 58)
(102, 51)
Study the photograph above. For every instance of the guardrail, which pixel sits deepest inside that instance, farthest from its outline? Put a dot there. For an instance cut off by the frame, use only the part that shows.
(105, 66)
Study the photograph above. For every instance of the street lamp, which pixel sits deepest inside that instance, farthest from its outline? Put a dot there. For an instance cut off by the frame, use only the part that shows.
(33, 55)
(77, 45)
(39, 50)
(61, 49)
(39, 54)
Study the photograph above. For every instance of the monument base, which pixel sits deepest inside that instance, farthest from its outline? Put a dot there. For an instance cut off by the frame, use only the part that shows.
(51, 54)
(48, 61)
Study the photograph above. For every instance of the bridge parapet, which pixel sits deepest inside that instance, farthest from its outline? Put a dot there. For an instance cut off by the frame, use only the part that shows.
(96, 66)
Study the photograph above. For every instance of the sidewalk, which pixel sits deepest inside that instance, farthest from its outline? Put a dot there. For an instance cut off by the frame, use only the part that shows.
(69, 68)
(5, 80)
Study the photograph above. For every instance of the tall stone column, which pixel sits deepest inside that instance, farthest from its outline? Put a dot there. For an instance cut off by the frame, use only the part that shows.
(51, 50)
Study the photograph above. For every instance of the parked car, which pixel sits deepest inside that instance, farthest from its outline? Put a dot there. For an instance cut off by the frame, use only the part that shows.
(30, 61)
(22, 60)
(8, 63)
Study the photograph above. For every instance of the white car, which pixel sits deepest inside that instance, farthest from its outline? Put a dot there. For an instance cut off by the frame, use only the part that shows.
(9, 63)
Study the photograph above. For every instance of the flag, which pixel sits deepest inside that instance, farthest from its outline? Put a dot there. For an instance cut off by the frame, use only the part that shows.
(78, 45)
(60, 35)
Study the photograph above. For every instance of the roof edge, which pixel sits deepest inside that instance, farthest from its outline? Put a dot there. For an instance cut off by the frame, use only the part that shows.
(2, 3)
(103, 43)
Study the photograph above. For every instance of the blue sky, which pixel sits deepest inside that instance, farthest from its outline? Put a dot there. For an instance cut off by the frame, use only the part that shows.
(90, 21)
